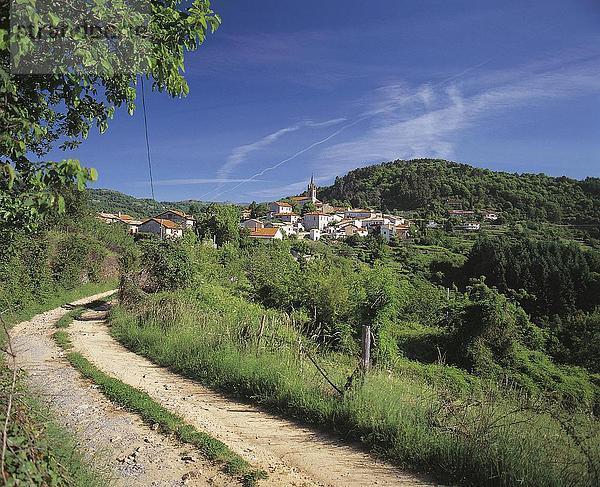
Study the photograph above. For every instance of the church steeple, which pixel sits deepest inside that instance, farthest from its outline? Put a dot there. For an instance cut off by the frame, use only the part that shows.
(312, 189)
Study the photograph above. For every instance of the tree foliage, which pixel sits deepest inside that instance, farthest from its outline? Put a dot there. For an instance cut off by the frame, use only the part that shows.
(427, 184)
(84, 85)
(559, 278)
(220, 222)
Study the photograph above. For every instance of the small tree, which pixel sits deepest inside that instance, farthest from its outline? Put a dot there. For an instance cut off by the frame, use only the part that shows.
(308, 208)
(258, 209)
(168, 264)
(220, 222)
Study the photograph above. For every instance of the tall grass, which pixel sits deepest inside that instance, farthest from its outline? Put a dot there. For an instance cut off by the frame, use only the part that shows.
(432, 418)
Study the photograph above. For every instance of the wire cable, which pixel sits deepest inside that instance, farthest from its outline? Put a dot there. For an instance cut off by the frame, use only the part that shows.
(147, 141)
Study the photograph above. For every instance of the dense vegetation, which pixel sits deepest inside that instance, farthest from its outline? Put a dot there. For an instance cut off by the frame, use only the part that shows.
(556, 282)
(112, 201)
(462, 385)
(483, 346)
(66, 258)
(61, 255)
(427, 184)
(52, 98)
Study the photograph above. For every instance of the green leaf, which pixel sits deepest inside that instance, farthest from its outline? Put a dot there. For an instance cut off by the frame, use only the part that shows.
(54, 19)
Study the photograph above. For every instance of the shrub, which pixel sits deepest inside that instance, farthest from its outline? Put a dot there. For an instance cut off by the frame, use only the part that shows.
(168, 265)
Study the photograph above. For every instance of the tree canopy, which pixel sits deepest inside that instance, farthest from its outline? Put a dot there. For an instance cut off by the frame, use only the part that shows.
(428, 185)
(81, 86)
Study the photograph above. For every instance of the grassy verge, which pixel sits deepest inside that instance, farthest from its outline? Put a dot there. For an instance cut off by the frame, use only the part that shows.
(153, 413)
(40, 452)
(470, 434)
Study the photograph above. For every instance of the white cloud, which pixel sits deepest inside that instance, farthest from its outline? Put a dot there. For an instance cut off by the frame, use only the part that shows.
(239, 154)
(427, 120)
(194, 181)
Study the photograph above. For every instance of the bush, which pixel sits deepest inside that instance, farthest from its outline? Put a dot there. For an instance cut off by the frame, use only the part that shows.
(168, 265)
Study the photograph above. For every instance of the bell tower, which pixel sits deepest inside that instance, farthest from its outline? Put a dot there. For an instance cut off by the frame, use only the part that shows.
(312, 189)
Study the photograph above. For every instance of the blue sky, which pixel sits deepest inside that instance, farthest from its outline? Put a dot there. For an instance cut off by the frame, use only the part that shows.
(284, 89)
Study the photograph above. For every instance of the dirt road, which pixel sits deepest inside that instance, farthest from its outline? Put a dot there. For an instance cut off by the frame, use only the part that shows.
(290, 453)
(129, 452)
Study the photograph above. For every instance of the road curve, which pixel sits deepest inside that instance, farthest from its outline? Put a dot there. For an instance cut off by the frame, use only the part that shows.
(290, 453)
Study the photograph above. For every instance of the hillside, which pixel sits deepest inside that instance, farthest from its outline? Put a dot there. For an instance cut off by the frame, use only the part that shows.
(428, 184)
(112, 201)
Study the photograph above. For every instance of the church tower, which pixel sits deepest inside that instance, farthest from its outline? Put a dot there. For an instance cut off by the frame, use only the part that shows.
(312, 189)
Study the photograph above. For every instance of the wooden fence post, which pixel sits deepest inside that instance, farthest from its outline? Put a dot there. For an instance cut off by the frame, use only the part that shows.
(366, 347)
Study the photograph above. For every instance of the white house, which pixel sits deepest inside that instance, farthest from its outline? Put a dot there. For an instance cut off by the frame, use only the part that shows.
(113, 217)
(388, 231)
(287, 229)
(280, 207)
(177, 216)
(359, 213)
(395, 220)
(133, 226)
(252, 224)
(287, 217)
(471, 226)
(315, 219)
(315, 234)
(335, 218)
(161, 227)
(350, 229)
(489, 215)
(269, 234)
(374, 222)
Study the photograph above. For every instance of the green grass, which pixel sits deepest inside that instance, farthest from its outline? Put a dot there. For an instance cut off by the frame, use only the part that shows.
(153, 413)
(13, 317)
(63, 340)
(423, 416)
(40, 452)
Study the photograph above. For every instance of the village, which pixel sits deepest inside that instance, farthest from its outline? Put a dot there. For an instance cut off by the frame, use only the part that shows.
(303, 217)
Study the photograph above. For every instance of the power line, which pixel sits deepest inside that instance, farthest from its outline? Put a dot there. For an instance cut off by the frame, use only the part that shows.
(147, 142)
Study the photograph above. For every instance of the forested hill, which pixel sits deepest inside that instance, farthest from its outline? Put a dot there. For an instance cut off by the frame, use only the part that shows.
(112, 201)
(429, 184)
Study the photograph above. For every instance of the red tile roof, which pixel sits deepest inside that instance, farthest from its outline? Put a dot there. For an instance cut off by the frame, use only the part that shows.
(283, 203)
(165, 223)
(177, 212)
(264, 232)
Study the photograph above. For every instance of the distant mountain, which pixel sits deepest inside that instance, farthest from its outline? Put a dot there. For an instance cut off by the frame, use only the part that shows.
(112, 201)
(434, 185)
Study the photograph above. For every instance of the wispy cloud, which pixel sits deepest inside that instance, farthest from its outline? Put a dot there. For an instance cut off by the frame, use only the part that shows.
(239, 154)
(194, 181)
(428, 121)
